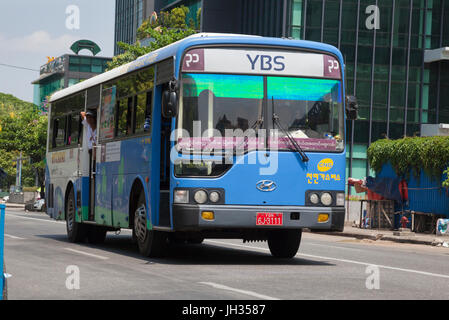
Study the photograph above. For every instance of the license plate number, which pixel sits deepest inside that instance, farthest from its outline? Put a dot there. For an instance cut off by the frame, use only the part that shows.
(269, 219)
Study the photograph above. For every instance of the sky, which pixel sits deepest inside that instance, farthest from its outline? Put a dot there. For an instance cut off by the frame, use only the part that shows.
(32, 30)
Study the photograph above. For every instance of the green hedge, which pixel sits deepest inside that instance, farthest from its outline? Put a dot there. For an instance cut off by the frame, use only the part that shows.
(430, 154)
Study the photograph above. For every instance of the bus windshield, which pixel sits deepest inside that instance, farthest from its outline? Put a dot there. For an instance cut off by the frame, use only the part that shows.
(216, 108)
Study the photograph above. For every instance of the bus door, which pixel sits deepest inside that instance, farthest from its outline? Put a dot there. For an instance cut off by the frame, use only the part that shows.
(92, 105)
(164, 186)
(104, 163)
(164, 75)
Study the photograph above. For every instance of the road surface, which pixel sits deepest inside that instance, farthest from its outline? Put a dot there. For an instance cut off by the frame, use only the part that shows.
(44, 265)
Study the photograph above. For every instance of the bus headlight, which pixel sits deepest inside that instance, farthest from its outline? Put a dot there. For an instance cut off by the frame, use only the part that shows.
(314, 199)
(326, 199)
(200, 196)
(214, 197)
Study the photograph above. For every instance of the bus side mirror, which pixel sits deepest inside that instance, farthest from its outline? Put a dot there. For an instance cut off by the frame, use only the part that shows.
(170, 101)
(169, 104)
(352, 108)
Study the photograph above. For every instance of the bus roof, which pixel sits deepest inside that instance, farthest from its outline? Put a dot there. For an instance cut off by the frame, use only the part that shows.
(176, 49)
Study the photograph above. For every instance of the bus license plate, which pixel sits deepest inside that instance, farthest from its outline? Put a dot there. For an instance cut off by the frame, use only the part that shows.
(269, 219)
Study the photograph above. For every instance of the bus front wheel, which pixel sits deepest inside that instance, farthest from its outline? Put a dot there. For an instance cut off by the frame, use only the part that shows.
(284, 243)
(151, 243)
(76, 232)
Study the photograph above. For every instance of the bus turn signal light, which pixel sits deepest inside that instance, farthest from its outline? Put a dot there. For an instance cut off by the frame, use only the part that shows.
(207, 215)
(323, 217)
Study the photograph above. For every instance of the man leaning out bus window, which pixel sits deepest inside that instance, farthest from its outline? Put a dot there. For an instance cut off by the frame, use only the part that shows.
(90, 122)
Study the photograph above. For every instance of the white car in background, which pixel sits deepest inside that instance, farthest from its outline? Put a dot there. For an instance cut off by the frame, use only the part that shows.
(39, 205)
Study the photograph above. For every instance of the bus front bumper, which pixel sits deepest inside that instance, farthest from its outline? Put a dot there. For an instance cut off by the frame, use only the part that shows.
(189, 217)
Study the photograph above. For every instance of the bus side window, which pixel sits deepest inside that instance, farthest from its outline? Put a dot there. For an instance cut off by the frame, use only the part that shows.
(142, 111)
(74, 130)
(54, 133)
(60, 132)
(124, 113)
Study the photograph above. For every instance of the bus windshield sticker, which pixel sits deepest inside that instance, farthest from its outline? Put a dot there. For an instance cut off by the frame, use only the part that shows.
(107, 114)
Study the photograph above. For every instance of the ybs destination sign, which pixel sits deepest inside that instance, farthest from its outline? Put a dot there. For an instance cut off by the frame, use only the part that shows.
(253, 61)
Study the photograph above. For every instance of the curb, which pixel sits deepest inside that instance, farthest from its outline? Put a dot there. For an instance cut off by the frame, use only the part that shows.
(380, 237)
(14, 205)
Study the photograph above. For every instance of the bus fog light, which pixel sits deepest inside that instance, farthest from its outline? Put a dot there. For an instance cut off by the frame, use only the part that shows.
(323, 217)
(314, 199)
(214, 197)
(181, 196)
(207, 215)
(326, 199)
(340, 199)
(200, 196)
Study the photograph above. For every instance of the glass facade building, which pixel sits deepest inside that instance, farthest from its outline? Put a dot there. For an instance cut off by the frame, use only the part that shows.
(129, 15)
(384, 44)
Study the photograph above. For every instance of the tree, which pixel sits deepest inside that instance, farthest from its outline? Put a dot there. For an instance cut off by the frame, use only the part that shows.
(162, 31)
(22, 128)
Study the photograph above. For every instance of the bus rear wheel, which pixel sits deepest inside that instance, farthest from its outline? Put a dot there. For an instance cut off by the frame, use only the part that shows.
(284, 243)
(151, 243)
(76, 232)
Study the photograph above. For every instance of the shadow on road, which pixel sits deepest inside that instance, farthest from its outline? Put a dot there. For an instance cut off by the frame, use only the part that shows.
(193, 254)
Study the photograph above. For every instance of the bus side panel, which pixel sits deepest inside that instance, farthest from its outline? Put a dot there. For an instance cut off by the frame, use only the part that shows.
(83, 186)
(132, 160)
(62, 168)
(103, 190)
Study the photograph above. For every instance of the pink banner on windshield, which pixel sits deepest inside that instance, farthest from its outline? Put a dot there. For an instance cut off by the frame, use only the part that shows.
(241, 143)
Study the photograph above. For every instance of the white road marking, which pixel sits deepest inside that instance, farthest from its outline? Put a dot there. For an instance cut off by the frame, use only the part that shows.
(13, 237)
(333, 247)
(87, 254)
(342, 260)
(35, 219)
(245, 292)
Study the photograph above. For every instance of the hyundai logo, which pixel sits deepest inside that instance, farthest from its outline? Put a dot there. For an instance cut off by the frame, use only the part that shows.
(266, 185)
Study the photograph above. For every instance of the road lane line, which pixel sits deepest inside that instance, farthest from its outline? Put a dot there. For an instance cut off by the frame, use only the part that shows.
(87, 254)
(333, 247)
(14, 237)
(343, 260)
(36, 219)
(245, 292)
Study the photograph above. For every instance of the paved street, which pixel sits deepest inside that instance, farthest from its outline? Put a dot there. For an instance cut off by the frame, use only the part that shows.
(326, 267)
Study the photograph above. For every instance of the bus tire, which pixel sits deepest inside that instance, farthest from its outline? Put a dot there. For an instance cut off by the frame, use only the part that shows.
(151, 243)
(96, 235)
(76, 232)
(284, 243)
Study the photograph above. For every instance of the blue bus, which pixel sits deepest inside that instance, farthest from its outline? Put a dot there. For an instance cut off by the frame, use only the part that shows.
(214, 136)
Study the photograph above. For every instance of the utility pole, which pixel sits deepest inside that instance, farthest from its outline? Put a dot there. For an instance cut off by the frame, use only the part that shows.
(19, 170)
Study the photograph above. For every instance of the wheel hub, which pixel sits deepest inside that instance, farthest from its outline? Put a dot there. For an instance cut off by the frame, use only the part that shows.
(140, 223)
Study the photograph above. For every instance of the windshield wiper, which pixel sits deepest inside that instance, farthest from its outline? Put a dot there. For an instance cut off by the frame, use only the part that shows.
(256, 126)
(288, 135)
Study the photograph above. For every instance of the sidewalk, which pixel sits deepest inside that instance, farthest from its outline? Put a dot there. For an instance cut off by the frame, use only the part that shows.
(375, 234)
